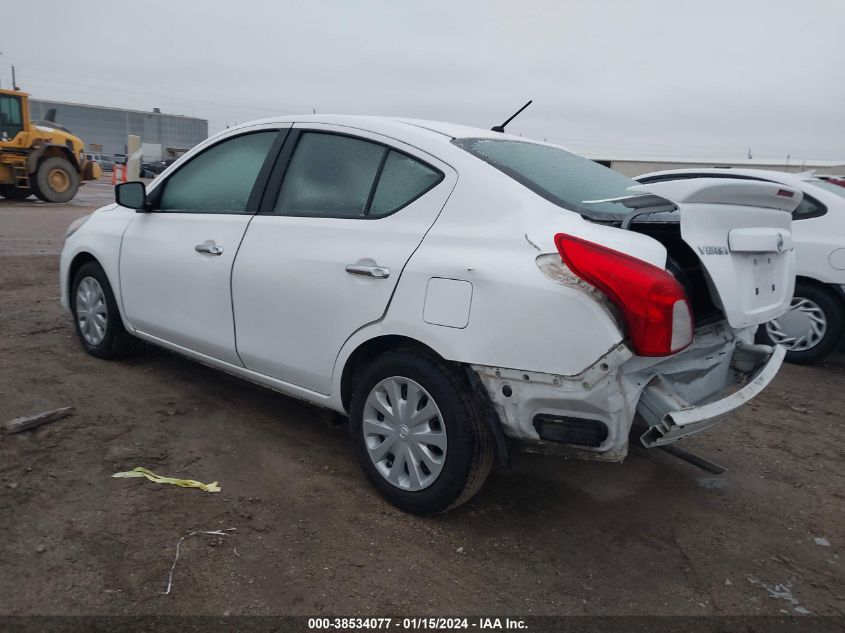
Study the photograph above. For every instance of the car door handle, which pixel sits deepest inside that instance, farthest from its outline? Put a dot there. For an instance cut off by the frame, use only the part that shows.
(379, 272)
(209, 247)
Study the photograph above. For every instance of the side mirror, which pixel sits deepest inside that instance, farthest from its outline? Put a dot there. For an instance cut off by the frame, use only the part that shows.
(132, 195)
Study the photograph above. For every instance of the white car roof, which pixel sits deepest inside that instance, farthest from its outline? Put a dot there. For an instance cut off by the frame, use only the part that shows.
(398, 126)
(432, 137)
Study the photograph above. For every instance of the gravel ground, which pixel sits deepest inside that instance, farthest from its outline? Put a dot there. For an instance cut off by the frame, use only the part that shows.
(307, 535)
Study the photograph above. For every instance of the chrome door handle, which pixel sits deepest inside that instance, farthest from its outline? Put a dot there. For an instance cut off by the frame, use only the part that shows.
(379, 272)
(209, 247)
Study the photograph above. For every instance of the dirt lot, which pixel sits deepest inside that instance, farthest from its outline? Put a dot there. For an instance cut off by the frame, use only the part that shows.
(651, 536)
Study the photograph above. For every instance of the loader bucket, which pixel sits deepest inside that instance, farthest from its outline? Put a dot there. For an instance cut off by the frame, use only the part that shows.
(91, 170)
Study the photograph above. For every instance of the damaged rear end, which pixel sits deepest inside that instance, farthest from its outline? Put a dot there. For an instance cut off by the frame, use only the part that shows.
(729, 245)
(686, 270)
(688, 358)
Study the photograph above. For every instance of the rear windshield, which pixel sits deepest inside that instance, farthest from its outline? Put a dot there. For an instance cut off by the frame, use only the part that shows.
(839, 190)
(561, 177)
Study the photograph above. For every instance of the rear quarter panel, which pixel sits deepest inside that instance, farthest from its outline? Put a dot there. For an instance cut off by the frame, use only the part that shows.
(489, 235)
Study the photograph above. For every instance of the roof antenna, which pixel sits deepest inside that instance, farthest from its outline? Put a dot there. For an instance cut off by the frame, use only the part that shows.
(501, 128)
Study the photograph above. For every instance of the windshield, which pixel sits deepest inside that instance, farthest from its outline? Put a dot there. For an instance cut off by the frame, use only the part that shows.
(11, 118)
(839, 190)
(561, 177)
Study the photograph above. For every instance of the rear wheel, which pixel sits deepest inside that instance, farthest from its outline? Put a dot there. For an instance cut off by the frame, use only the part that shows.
(56, 180)
(13, 193)
(812, 328)
(418, 432)
(96, 317)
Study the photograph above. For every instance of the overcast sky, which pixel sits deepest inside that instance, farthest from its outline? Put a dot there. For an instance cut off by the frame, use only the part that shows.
(642, 77)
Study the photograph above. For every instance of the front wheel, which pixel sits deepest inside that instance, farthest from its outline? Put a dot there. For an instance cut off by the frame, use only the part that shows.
(419, 433)
(811, 329)
(96, 317)
(56, 180)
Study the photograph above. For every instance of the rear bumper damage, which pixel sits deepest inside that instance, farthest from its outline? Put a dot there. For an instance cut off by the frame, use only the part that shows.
(589, 415)
(671, 418)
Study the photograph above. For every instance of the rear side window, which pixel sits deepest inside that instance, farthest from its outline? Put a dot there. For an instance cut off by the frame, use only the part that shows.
(809, 207)
(336, 176)
(220, 179)
(403, 180)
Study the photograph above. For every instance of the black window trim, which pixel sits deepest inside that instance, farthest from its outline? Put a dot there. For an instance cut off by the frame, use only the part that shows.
(277, 177)
(258, 188)
(376, 179)
(822, 208)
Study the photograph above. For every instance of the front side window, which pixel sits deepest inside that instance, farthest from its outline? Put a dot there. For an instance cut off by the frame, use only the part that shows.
(11, 117)
(220, 179)
(565, 179)
(337, 176)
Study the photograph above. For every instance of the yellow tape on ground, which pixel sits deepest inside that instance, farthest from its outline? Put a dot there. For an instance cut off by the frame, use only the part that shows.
(184, 483)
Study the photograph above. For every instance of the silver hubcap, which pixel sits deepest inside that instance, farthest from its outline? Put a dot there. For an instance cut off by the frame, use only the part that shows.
(404, 433)
(801, 328)
(91, 313)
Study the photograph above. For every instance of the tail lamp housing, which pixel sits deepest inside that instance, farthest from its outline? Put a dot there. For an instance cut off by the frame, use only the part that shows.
(652, 302)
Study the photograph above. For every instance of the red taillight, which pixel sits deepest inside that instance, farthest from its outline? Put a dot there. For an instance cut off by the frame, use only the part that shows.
(651, 300)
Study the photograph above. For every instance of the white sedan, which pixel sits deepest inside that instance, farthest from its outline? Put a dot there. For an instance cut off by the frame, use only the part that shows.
(815, 324)
(458, 293)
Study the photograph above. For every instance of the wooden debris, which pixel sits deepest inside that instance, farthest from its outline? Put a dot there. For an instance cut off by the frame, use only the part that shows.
(30, 422)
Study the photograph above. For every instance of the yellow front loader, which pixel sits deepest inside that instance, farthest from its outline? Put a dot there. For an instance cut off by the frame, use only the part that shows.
(41, 159)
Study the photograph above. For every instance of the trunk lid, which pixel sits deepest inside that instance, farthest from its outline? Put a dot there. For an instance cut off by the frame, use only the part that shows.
(740, 231)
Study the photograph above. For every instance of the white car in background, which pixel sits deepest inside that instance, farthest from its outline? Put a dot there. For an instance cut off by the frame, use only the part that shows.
(455, 291)
(813, 327)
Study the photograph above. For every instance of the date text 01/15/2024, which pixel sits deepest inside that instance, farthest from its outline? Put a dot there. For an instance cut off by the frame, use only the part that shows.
(409, 624)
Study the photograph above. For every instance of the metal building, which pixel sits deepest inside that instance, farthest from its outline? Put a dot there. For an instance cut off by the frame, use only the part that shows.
(105, 130)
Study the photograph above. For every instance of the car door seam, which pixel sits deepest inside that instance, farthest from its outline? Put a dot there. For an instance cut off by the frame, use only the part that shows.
(232, 289)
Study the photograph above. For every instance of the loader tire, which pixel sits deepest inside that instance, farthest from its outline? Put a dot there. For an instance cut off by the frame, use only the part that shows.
(56, 180)
(13, 193)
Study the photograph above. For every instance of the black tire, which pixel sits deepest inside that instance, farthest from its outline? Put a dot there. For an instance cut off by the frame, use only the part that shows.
(833, 307)
(117, 342)
(470, 453)
(44, 181)
(33, 184)
(13, 193)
